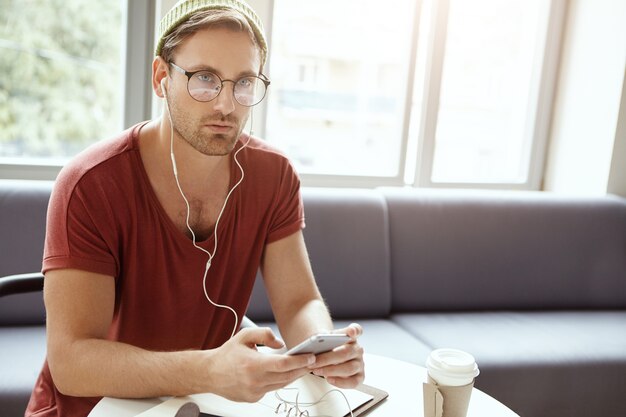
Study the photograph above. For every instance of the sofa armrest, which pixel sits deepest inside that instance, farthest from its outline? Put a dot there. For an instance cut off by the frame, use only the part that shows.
(20, 284)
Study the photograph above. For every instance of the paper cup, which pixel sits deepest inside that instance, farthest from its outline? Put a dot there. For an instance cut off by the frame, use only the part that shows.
(451, 374)
(451, 367)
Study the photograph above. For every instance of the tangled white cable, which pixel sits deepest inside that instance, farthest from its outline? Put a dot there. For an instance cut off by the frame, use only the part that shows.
(293, 408)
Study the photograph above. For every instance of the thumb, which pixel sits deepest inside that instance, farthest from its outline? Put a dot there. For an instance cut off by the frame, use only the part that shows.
(261, 336)
(354, 330)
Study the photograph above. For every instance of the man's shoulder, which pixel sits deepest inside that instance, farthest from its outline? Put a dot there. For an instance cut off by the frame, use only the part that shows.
(100, 161)
(262, 151)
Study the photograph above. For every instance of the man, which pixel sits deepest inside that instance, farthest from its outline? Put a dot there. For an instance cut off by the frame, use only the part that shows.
(154, 239)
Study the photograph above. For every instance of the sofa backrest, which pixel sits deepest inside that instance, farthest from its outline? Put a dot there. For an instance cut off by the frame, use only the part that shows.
(23, 206)
(471, 250)
(375, 252)
(347, 237)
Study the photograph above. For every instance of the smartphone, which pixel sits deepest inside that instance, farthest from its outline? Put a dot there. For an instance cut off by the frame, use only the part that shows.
(320, 343)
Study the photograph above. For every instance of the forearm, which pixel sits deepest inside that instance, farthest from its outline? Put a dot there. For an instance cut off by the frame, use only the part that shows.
(93, 367)
(304, 320)
(296, 301)
(235, 370)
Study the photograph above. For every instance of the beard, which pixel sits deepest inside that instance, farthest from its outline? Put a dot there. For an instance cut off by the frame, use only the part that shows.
(194, 132)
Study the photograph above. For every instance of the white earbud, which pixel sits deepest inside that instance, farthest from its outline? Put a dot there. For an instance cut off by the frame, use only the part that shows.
(171, 126)
(163, 87)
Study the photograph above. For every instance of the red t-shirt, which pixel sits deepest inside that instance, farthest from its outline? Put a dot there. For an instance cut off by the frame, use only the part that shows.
(104, 217)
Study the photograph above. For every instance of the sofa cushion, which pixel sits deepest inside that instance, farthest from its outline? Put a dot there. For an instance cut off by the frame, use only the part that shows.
(347, 237)
(23, 351)
(538, 363)
(386, 338)
(463, 250)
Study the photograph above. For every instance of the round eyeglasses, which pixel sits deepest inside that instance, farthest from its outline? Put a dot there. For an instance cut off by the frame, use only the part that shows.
(205, 86)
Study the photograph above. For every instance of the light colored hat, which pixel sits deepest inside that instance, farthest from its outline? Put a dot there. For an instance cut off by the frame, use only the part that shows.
(184, 9)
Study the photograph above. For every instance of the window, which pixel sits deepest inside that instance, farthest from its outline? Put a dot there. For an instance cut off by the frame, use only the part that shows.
(491, 66)
(413, 92)
(403, 92)
(339, 74)
(61, 85)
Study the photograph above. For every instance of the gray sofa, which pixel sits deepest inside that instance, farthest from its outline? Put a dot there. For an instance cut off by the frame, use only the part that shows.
(532, 284)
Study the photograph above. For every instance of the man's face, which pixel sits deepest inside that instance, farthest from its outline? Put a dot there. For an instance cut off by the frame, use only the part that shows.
(212, 127)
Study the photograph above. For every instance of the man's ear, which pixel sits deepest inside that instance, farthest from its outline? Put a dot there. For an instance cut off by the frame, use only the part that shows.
(159, 76)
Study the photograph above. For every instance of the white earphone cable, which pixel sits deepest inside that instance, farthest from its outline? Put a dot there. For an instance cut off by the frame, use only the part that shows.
(295, 407)
(193, 235)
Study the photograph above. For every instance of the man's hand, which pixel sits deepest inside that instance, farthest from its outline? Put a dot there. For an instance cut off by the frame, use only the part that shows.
(240, 373)
(343, 366)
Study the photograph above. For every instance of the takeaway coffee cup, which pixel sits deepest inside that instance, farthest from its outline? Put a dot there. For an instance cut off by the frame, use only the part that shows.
(451, 374)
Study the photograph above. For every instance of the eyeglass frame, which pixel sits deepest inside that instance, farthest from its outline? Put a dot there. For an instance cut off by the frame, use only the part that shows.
(190, 74)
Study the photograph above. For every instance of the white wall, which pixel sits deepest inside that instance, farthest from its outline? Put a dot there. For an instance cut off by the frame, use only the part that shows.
(617, 175)
(584, 134)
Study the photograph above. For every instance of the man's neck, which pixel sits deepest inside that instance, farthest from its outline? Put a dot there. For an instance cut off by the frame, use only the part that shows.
(193, 167)
(204, 179)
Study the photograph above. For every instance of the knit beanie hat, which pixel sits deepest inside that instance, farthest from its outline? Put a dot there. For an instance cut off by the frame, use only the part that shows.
(184, 9)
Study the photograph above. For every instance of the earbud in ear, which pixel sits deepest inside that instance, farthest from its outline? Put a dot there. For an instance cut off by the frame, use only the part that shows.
(163, 87)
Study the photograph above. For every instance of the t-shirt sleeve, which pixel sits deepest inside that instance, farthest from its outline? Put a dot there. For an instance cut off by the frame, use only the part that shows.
(78, 234)
(288, 216)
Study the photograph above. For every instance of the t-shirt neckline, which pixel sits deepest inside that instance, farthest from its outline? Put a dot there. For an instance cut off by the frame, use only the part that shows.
(234, 177)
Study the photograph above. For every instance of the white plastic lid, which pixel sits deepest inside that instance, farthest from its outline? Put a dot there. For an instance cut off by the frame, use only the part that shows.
(452, 367)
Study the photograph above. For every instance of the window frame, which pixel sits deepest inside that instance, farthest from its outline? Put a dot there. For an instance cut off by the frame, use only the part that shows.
(540, 109)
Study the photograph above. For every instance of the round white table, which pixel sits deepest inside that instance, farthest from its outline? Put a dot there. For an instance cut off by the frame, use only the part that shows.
(403, 381)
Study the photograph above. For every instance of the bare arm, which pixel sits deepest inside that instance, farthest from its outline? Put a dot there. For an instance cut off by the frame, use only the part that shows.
(300, 311)
(79, 309)
(297, 304)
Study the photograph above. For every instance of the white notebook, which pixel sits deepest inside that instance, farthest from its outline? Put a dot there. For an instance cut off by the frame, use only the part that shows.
(309, 390)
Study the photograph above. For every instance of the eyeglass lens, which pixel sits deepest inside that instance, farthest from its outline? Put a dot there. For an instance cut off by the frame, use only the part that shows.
(205, 86)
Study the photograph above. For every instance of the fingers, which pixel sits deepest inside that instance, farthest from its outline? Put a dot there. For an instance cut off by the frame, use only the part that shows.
(281, 371)
(342, 367)
(257, 373)
(342, 370)
(245, 374)
(348, 352)
(260, 336)
(351, 382)
(344, 375)
(285, 378)
(354, 330)
(260, 373)
(286, 363)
